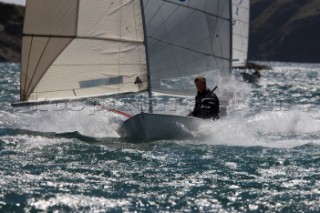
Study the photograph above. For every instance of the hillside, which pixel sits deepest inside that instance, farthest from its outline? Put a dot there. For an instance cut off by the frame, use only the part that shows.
(11, 20)
(286, 30)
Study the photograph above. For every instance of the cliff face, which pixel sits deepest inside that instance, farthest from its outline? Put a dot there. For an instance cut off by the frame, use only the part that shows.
(286, 30)
(11, 20)
(281, 30)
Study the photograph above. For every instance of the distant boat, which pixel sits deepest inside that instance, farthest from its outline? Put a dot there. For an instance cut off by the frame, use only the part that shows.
(251, 77)
(240, 39)
(75, 50)
(240, 32)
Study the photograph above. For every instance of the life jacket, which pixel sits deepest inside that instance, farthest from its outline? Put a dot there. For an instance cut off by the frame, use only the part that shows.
(206, 105)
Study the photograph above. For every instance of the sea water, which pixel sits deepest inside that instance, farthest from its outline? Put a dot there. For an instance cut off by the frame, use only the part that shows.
(263, 156)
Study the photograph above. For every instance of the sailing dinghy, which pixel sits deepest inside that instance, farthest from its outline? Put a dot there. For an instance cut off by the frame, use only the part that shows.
(80, 49)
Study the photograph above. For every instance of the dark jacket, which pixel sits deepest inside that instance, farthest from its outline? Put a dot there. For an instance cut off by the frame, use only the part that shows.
(206, 106)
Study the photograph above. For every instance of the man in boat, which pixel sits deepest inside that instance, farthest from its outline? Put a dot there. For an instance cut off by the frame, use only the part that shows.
(206, 102)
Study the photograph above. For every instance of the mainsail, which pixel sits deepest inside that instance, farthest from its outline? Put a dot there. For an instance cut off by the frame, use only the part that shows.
(186, 38)
(240, 35)
(89, 48)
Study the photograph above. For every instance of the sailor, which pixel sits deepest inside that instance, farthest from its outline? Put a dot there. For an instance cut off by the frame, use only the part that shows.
(206, 102)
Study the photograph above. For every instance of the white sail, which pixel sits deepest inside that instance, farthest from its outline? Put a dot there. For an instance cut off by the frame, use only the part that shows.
(82, 48)
(240, 35)
(185, 39)
(88, 48)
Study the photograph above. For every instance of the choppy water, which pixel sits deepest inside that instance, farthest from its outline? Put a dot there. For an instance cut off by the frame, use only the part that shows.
(262, 157)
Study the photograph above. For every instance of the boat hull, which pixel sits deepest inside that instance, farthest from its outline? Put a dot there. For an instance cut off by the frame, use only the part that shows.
(250, 78)
(147, 126)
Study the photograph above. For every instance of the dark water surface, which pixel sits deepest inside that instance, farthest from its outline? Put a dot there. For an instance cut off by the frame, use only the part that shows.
(259, 158)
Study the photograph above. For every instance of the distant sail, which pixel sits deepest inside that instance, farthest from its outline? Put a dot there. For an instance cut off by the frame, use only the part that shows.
(240, 40)
(185, 39)
(82, 48)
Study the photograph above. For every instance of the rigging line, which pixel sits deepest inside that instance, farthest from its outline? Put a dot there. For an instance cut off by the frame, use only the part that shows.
(218, 29)
(202, 11)
(240, 5)
(163, 20)
(185, 64)
(209, 34)
(198, 25)
(212, 40)
(166, 30)
(165, 57)
(205, 21)
(177, 23)
(240, 50)
(188, 48)
(164, 26)
(127, 115)
(153, 16)
(240, 35)
(241, 21)
(146, 4)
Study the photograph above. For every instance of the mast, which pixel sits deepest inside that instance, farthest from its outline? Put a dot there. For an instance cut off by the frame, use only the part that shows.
(147, 56)
(231, 35)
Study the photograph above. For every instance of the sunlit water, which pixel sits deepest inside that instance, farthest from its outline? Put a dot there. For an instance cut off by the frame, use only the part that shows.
(262, 157)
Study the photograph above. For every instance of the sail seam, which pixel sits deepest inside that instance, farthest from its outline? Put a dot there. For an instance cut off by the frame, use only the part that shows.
(70, 65)
(84, 37)
(51, 62)
(240, 35)
(239, 20)
(202, 11)
(27, 71)
(187, 48)
(239, 50)
(70, 89)
(77, 18)
(163, 23)
(36, 68)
